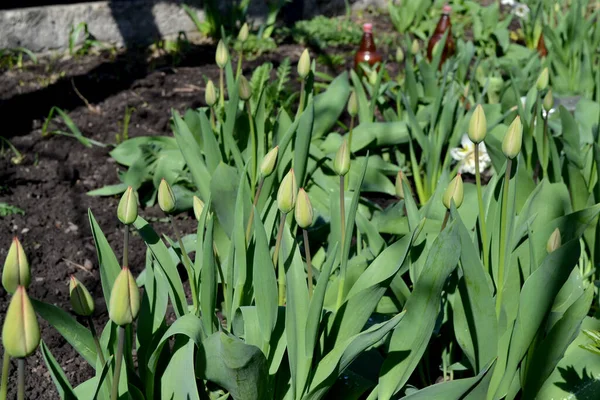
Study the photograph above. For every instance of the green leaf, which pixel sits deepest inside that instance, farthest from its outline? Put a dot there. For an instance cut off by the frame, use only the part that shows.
(211, 147)
(224, 188)
(302, 142)
(570, 134)
(64, 388)
(109, 265)
(411, 338)
(364, 108)
(208, 282)
(109, 190)
(330, 105)
(178, 380)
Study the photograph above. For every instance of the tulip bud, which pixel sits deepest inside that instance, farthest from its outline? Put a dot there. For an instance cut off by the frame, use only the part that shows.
(81, 299)
(542, 80)
(399, 55)
(21, 332)
(548, 102)
(127, 211)
(198, 207)
(373, 77)
(454, 192)
(124, 299)
(414, 49)
(16, 268)
(477, 125)
(304, 210)
(222, 55)
(243, 34)
(341, 162)
(352, 104)
(268, 162)
(511, 145)
(166, 198)
(244, 88)
(287, 193)
(210, 95)
(554, 241)
(304, 64)
(399, 186)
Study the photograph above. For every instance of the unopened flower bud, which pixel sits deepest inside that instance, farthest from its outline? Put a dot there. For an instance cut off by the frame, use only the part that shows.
(548, 102)
(554, 241)
(373, 77)
(243, 34)
(166, 198)
(222, 55)
(542, 80)
(268, 162)
(399, 55)
(352, 104)
(304, 210)
(304, 64)
(287, 193)
(16, 268)
(81, 299)
(124, 299)
(21, 332)
(341, 162)
(399, 186)
(210, 95)
(477, 125)
(511, 145)
(414, 49)
(127, 211)
(454, 192)
(198, 207)
(244, 88)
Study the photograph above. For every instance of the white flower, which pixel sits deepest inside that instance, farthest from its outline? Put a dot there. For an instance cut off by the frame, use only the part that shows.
(544, 113)
(465, 155)
(510, 3)
(521, 10)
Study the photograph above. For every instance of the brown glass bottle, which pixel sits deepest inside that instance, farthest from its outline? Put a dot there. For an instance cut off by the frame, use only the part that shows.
(541, 47)
(443, 25)
(367, 53)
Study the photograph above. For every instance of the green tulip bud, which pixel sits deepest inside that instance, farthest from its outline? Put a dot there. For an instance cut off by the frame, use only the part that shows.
(477, 125)
(399, 186)
(548, 102)
(287, 193)
(21, 332)
(127, 211)
(124, 299)
(268, 162)
(244, 88)
(82, 301)
(415, 47)
(373, 77)
(554, 242)
(304, 210)
(304, 64)
(454, 192)
(341, 162)
(511, 145)
(210, 95)
(243, 33)
(16, 268)
(222, 55)
(399, 55)
(352, 104)
(542, 80)
(198, 207)
(166, 198)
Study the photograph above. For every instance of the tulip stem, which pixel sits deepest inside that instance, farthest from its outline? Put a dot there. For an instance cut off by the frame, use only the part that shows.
(486, 260)
(96, 341)
(545, 146)
(302, 96)
(188, 265)
(221, 90)
(251, 217)
(213, 124)
(446, 216)
(253, 138)
(5, 369)
(308, 263)
(280, 268)
(340, 296)
(239, 64)
(126, 247)
(503, 218)
(21, 379)
(350, 133)
(115, 386)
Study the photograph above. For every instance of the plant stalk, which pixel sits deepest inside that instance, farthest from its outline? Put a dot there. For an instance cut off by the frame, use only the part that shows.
(213, 123)
(545, 146)
(340, 296)
(280, 268)
(126, 247)
(503, 238)
(350, 133)
(308, 263)
(119, 360)
(251, 217)
(302, 98)
(445, 221)
(96, 341)
(486, 261)
(5, 370)
(221, 90)
(253, 138)
(188, 266)
(21, 379)
(239, 64)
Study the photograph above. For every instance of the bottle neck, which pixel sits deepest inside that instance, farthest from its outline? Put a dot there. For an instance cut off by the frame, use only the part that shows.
(444, 24)
(368, 42)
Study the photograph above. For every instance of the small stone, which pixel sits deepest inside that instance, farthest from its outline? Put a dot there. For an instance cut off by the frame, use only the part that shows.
(24, 231)
(87, 264)
(39, 279)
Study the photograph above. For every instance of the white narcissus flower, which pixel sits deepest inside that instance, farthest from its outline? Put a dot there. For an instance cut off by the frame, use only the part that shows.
(521, 10)
(465, 155)
(544, 112)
